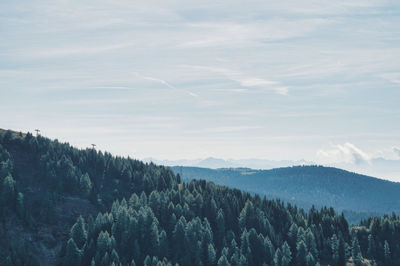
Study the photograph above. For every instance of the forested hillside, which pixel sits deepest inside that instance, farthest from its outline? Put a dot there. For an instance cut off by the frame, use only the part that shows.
(64, 206)
(307, 186)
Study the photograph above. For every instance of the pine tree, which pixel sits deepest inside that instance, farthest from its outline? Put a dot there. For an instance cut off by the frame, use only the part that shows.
(292, 236)
(301, 253)
(153, 237)
(223, 261)
(245, 247)
(220, 229)
(335, 250)
(371, 251)
(163, 246)
(278, 257)
(310, 260)
(178, 237)
(211, 255)
(114, 257)
(20, 205)
(387, 254)
(311, 244)
(105, 261)
(133, 263)
(8, 192)
(356, 252)
(147, 261)
(73, 254)
(85, 184)
(286, 254)
(78, 232)
(269, 249)
(104, 242)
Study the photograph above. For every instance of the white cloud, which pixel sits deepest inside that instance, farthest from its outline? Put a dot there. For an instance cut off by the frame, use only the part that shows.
(167, 84)
(262, 83)
(250, 82)
(245, 80)
(346, 153)
(81, 50)
(255, 33)
(397, 151)
(225, 129)
(392, 77)
(327, 55)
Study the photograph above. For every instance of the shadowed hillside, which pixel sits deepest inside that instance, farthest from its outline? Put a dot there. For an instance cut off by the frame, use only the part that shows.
(307, 186)
(65, 206)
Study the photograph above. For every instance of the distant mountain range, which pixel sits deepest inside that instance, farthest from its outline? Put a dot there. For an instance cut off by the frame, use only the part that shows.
(216, 163)
(381, 167)
(307, 186)
(65, 206)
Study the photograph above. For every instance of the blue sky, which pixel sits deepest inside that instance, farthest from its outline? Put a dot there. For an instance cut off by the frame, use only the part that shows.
(314, 80)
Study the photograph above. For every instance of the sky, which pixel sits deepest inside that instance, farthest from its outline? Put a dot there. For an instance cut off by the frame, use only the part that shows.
(277, 80)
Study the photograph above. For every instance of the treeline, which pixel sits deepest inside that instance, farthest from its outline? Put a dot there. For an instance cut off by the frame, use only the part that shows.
(309, 185)
(202, 224)
(38, 175)
(11, 200)
(57, 168)
(147, 216)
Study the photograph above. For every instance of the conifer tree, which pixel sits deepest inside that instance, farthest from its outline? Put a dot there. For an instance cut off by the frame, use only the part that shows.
(301, 253)
(211, 255)
(163, 246)
(20, 205)
(78, 232)
(220, 229)
(356, 252)
(310, 260)
(73, 254)
(223, 261)
(335, 250)
(278, 257)
(8, 192)
(269, 250)
(371, 251)
(311, 244)
(286, 254)
(387, 254)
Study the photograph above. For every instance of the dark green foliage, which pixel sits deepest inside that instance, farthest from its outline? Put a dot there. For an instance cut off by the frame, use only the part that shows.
(301, 253)
(223, 261)
(335, 250)
(8, 192)
(78, 233)
(286, 254)
(163, 221)
(387, 255)
(47, 184)
(278, 257)
(211, 255)
(361, 196)
(20, 206)
(85, 184)
(138, 230)
(73, 254)
(356, 252)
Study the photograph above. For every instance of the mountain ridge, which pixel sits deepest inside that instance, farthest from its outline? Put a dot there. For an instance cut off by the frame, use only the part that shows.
(309, 185)
(147, 216)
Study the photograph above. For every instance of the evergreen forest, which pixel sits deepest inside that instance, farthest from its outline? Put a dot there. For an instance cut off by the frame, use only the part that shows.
(66, 206)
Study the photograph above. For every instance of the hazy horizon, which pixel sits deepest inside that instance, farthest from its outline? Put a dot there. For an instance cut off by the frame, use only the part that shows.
(308, 80)
(257, 84)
